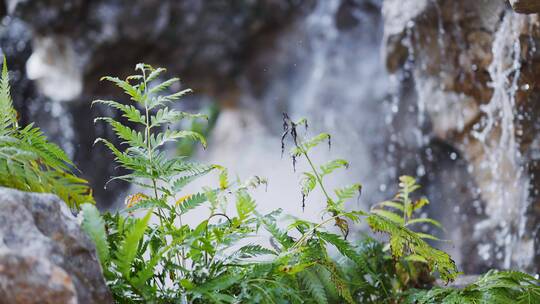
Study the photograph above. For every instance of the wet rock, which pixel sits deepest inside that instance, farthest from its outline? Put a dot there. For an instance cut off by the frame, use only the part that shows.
(474, 69)
(44, 255)
(526, 6)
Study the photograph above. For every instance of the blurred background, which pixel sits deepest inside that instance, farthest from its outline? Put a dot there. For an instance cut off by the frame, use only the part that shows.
(444, 90)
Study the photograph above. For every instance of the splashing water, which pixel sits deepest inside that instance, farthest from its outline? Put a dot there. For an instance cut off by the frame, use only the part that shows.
(502, 182)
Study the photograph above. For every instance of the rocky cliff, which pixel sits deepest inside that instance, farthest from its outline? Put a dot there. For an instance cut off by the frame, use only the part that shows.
(474, 68)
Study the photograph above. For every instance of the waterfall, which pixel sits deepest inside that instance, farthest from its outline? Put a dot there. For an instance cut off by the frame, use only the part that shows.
(506, 191)
(331, 74)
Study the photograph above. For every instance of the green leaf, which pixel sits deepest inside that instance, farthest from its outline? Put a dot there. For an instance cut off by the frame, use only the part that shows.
(163, 86)
(8, 116)
(191, 202)
(130, 136)
(332, 165)
(94, 226)
(389, 215)
(245, 205)
(314, 286)
(127, 250)
(154, 74)
(130, 112)
(391, 204)
(348, 192)
(130, 90)
(308, 183)
(170, 136)
(425, 220)
(345, 248)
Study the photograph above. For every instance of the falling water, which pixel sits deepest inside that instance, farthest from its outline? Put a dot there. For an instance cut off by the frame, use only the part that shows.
(503, 185)
(332, 75)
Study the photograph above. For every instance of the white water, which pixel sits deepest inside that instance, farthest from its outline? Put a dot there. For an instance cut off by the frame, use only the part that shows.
(503, 185)
(334, 78)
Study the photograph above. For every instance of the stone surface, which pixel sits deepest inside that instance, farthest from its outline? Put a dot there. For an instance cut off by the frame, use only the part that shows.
(44, 255)
(474, 68)
(526, 6)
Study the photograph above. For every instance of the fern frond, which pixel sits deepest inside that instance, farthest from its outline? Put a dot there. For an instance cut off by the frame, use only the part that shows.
(245, 205)
(424, 221)
(128, 111)
(332, 165)
(173, 135)
(94, 226)
(8, 116)
(127, 250)
(163, 86)
(308, 183)
(130, 90)
(154, 74)
(130, 136)
(313, 284)
(191, 202)
(309, 144)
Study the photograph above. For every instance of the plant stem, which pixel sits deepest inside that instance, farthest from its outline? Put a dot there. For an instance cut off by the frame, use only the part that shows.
(317, 176)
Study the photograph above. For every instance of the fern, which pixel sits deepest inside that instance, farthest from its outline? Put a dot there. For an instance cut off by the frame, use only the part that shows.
(315, 287)
(493, 287)
(394, 218)
(161, 259)
(29, 162)
(127, 250)
(94, 226)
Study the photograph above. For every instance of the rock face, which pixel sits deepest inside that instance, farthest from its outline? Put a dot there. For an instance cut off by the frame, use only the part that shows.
(64, 47)
(44, 255)
(526, 6)
(474, 69)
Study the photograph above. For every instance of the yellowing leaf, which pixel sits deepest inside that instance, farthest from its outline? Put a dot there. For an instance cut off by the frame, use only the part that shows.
(183, 199)
(133, 199)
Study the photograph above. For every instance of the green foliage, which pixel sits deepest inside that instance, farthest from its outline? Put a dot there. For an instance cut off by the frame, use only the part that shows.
(149, 255)
(493, 287)
(94, 226)
(395, 217)
(29, 162)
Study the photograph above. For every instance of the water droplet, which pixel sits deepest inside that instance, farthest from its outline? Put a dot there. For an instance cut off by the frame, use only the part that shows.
(420, 171)
(453, 156)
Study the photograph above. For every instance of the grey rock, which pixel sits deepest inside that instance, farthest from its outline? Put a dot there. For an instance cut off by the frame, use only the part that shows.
(45, 257)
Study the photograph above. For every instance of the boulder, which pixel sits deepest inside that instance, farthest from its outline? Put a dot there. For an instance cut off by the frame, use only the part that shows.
(45, 257)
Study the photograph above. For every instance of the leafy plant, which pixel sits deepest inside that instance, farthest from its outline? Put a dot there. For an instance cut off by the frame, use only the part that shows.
(395, 217)
(150, 255)
(404, 242)
(493, 287)
(167, 260)
(29, 162)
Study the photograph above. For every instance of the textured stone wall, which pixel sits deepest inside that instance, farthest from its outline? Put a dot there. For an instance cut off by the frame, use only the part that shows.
(474, 66)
